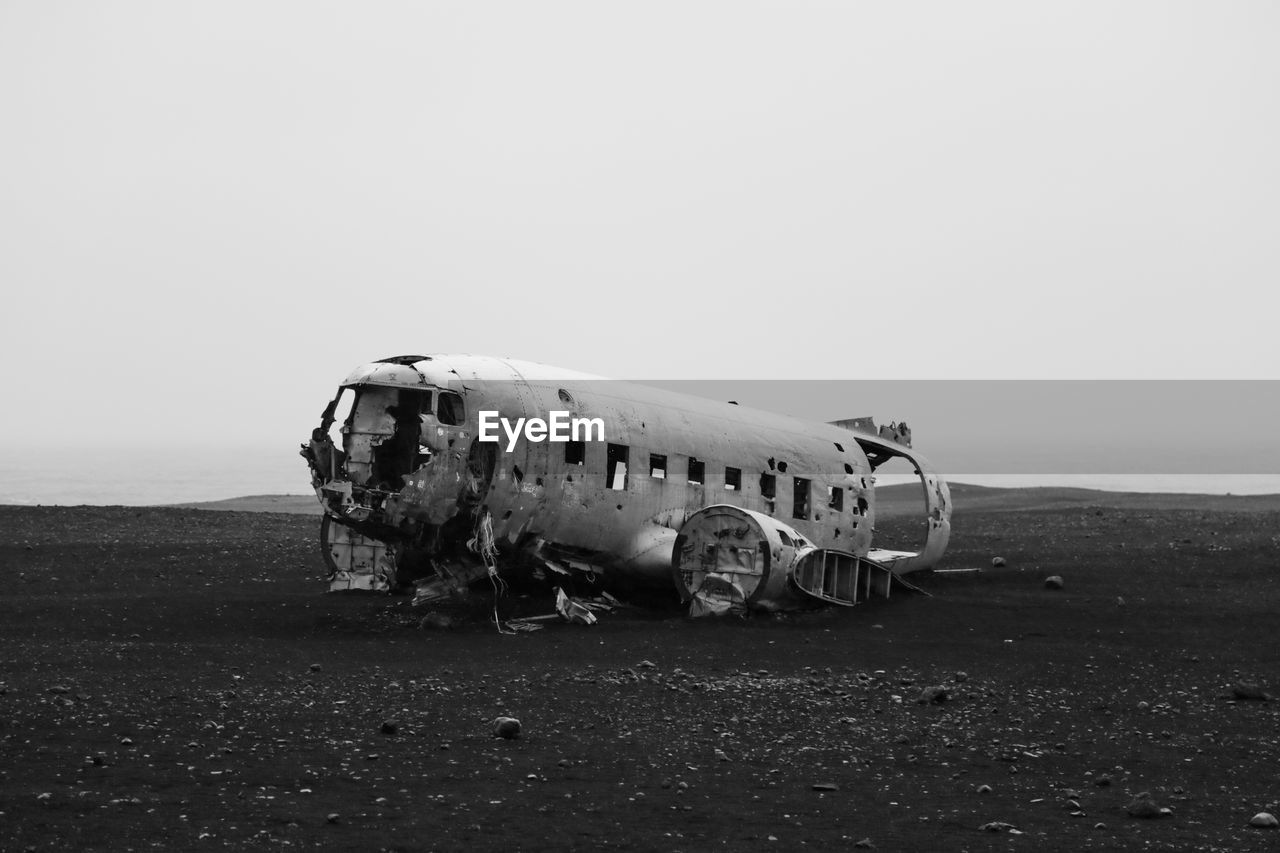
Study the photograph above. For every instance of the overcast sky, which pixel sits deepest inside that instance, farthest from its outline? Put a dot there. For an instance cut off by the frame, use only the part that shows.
(210, 212)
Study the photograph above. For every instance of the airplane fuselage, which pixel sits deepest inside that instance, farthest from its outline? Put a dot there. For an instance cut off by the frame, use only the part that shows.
(414, 474)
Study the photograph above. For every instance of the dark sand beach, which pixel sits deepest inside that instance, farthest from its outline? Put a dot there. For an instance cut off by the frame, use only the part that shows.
(176, 678)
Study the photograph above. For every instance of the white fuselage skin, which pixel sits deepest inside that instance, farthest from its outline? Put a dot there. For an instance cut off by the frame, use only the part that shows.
(617, 501)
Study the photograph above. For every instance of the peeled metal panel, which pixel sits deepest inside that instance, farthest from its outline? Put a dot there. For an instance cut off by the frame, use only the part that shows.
(355, 561)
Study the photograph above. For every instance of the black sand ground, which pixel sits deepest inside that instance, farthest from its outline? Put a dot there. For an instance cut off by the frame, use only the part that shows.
(176, 679)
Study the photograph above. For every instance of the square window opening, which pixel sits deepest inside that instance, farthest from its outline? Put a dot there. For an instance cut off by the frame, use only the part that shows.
(800, 499)
(449, 409)
(616, 467)
(658, 466)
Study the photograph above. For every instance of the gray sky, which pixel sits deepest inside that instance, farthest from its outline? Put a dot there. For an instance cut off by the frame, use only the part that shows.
(210, 212)
(1047, 427)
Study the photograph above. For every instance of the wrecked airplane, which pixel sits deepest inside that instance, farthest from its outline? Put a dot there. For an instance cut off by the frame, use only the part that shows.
(425, 481)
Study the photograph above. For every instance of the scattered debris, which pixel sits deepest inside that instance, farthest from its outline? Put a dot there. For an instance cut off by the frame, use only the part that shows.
(864, 844)
(430, 590)
(1053, 582)
(572, 610)
(825, 786)
(506, 727)
(1000, 826)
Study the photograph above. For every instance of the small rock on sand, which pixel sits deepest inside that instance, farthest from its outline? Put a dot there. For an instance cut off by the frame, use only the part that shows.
(1144, 807)
(934, 695)
(1249, 692)
(506, 727)
(435, 622)
(1053, 582)
(1264, 820)
(997, 562)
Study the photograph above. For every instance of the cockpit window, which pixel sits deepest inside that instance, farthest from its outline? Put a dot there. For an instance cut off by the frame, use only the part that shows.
(449, 409)
(339, 411)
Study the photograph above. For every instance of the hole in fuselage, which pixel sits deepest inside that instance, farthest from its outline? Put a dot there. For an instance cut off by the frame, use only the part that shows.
(398, 454)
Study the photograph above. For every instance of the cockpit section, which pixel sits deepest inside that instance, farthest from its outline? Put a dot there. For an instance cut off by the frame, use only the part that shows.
(388, 423)
(399, 473)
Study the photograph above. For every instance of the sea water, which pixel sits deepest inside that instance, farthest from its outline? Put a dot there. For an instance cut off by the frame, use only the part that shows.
(139, 476)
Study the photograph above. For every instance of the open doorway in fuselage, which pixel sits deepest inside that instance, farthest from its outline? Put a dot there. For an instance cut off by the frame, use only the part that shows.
(902, 509)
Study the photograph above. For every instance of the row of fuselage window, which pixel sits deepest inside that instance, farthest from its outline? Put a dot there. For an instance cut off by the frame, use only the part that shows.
(618, 478)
